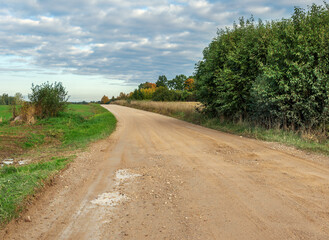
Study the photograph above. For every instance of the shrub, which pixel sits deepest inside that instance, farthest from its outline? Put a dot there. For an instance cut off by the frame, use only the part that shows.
(49, 99)
(271, 74)
(164, 94)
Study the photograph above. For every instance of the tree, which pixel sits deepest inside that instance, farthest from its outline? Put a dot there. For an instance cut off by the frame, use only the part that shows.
(177, 83)
(5, 99)
(49, 99)
(105, 99)
(189, 84)
(122, 96)
(18, 98)
(146, 85)
(162, 81)
(164, 94)
(273, 74)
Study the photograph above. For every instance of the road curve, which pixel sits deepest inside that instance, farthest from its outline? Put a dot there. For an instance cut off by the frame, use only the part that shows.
(182, 182)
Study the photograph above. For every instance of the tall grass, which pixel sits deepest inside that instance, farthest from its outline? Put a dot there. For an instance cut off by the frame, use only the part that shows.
(166, 108)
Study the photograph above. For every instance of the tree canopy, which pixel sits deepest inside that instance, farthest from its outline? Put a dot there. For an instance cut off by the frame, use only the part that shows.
(272, 73)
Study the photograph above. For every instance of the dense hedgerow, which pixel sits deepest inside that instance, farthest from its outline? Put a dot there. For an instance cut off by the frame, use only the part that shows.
(273, 73)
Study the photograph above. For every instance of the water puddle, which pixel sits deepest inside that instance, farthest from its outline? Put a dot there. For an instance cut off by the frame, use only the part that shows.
(10, 161)
(23, 162)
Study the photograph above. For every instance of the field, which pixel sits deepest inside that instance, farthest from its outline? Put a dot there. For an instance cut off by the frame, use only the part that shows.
(5, 113)
(187, 111)
(177, 109)
(47, 146)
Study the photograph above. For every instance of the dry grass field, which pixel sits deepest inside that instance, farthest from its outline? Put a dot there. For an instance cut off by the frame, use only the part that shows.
(166, 108)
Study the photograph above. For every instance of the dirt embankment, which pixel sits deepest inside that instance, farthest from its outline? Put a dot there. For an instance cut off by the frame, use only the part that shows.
(161, 178)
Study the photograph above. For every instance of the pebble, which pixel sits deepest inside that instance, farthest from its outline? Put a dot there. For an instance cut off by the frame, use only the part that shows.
(28, 219)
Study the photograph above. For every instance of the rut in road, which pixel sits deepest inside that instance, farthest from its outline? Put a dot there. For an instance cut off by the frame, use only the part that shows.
(160, 178)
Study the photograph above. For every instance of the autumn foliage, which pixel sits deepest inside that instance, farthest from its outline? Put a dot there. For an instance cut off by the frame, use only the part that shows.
(147, 85)
(105, 99)
(180, 88)
(189, 84)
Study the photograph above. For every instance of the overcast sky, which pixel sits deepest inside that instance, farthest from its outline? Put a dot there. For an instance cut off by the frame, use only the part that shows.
(98, 47)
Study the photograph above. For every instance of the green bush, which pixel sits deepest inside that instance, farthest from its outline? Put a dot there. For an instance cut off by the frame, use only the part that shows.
(49, 99)
(164, 94)
(272, 74)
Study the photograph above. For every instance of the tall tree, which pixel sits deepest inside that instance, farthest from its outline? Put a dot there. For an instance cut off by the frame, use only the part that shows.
(177, 83)
(162, 81)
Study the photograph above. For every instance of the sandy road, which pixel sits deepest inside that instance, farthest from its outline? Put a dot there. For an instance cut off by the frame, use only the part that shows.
(182, 182)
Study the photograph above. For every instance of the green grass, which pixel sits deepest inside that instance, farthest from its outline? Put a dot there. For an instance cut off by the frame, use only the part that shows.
(48, 138)
(80, 125)
(75, 128)
(5, 112)
(17, 183)
(288, 138)
(83, 110)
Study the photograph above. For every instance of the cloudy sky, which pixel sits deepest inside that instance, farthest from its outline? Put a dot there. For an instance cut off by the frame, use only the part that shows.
(98, 47)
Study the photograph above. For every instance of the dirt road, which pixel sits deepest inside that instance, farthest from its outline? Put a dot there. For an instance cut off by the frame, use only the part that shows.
(160, 178)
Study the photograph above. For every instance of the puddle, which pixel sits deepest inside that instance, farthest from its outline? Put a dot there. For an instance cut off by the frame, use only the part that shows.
(111, 199)
(23, 162)
(8, 161)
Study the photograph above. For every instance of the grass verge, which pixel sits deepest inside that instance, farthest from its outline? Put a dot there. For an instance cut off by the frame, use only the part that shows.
(186, 111)
(73, 129)
(17, 183)
(48, 145)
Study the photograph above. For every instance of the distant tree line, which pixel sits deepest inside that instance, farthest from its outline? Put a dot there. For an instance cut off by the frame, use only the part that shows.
(5, 99)
(180, 88)
(275, 74)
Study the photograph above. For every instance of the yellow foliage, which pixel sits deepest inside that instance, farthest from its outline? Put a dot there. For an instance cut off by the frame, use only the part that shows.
(147, 92)
(105, 99)
(189, 84)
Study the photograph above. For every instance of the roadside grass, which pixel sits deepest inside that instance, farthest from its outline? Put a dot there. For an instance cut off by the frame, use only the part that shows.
(79, 125)
(187, 111)
(17, 183)
(288, 138)
(72, 129)
(5, 113)
(49, 145)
